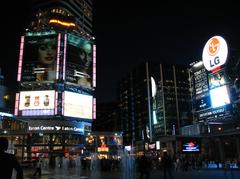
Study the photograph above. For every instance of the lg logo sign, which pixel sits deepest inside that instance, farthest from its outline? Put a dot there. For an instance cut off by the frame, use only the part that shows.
(215, 53)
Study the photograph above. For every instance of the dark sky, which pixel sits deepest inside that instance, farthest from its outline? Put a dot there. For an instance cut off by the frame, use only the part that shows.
(129, 31)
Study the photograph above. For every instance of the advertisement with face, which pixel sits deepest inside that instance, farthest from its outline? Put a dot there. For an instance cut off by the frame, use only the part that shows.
(79, 61)
(216, 80)
(39, 58)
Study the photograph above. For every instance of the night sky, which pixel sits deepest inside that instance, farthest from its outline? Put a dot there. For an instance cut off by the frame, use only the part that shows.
(129, 32)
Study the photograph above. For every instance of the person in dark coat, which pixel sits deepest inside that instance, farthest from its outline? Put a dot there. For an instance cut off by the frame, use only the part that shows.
(144, 166)
(8, 162)
(167, 165)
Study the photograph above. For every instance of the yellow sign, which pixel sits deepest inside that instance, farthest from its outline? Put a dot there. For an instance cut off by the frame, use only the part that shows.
(56, 21)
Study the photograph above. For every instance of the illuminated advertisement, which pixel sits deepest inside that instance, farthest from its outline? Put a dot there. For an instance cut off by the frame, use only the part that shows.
(39, 58)
(203, 102)
(200, 81)
(78, 105)
(191, 146)
(215, 53)
(37, 102)
(78, 61)
(216, 80)
(219, 96)
(156, 101)
(56, 126)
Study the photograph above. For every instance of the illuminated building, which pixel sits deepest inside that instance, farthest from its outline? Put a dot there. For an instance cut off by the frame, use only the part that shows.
(215, 101)
(154, 102)
(105, 144)
(57, 79)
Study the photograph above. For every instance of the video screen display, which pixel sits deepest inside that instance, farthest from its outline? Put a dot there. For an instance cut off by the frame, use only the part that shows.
(39, 58)
(79, 61)
(216, 80)
(78, 105)
(37, 103)
(219, 96)
(200, 81)
(191, 145)
(203, 102)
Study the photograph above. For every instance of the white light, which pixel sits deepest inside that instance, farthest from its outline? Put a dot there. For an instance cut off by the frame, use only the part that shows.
(198, 64)
(154, 87)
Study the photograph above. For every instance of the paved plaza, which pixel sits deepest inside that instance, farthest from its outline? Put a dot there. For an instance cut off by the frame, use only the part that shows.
(81, 174)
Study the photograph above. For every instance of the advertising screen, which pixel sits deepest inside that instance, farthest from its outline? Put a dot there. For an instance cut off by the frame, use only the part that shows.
(216, 80)
(191, 145)
(39, 58)
(200, 81)
(203, 102)
(79, 61)
(37, 102)
(78, 105)
(219, 96)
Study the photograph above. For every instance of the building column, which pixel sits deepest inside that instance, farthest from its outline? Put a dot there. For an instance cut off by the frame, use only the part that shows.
(238, 147)
(220, 148)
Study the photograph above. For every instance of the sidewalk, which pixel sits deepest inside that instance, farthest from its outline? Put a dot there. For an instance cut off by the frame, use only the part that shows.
(83, 174)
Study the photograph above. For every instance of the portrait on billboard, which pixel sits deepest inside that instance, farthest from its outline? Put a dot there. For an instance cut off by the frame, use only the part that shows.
(39, 58)
(79, 61)
(216, 80)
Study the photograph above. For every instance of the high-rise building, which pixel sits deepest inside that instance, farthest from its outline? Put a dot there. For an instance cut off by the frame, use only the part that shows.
(80, 11)
(154, 102)
(57, 79)
(107, 117)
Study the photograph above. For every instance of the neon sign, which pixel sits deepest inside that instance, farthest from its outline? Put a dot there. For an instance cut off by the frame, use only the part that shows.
(56, 21)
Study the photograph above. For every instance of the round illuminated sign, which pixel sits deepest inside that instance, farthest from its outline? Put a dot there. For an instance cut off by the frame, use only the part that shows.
(215, 53)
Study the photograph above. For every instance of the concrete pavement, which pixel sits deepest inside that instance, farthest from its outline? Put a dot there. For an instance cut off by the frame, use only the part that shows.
(82, 174)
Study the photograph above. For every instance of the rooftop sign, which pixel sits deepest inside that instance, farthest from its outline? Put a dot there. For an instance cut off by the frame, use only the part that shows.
(215, 53)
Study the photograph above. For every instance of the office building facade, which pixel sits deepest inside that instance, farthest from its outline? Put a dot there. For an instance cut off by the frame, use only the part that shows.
(154, 102)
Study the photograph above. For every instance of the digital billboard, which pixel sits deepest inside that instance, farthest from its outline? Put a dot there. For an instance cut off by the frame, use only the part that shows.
(203, 102)
(200, 81)
(39, 58)
(78, 105)
(219, 96)
(79, 61)
(191, 145)
(216, 80)
(37, 103)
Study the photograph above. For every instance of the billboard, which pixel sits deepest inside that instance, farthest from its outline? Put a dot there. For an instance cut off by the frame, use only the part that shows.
(78, 105)
(39, 58)
(219, 96)
(37, 103)
(216, 79)
(79, 61)
(200, 81)
(191, 145)
(215, 53)
(203, 102)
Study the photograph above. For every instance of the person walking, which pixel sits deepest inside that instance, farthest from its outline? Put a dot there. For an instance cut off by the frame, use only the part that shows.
(144, 165)
(8, 162)
(38, 168)
(167, 165)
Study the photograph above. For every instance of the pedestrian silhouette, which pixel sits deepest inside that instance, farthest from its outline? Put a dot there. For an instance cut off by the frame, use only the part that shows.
(38, 167)
(144, 167)
(167, 165)
(8, 162)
